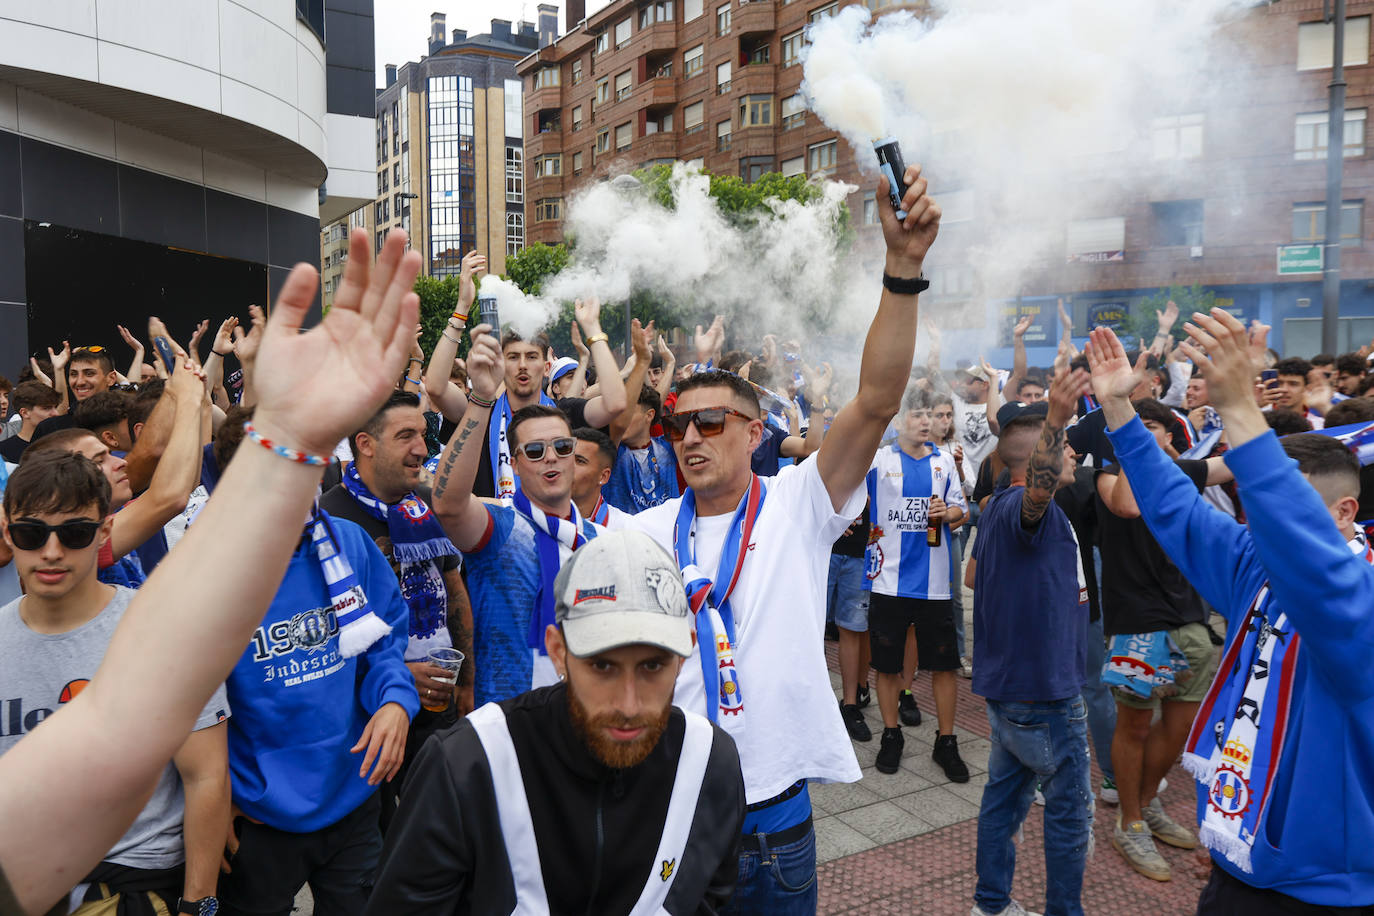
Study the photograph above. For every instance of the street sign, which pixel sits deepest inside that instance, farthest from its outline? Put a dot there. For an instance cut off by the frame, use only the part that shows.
(1294, 260)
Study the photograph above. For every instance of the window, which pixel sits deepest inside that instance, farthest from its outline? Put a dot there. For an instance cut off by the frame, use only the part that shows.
(396, 173)
(603, 92)
(791, 48)
(723, 20)
(624, 133)
(548, 166)
(692, 116)
(756, 111)
(646, 17)
(545, 76)
(622, 85)
(792, 167)
(577, 163)
(755, 167)
(665, 70)
(1315, 41)
(1177, 137)
(515, 175)
(761, 54)
(1310, 134)
(691, 9)
(664, 123)
(825, 12)
(1096, 240)
(723, 78)
(822, 157)
(723, 135)
(1309, 222)
(603, 43)
(870, 209)
(1177, 222)
(622, 33)
(603, 140)
(793, 112)
(381, 240)
(576, 118)
(515, 233)
(692, 63)
(577, 71)
(662, 11)
(547, 209)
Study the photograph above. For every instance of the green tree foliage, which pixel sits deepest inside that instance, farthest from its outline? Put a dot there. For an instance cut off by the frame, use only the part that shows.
(438, 298)
(531, 267)
(1144, 321)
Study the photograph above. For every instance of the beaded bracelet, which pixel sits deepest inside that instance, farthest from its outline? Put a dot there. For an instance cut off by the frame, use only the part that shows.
(290, 454)
(474, 399)
(450, 339)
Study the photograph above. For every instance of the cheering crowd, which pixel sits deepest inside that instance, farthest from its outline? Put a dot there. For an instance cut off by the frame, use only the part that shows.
(527, 633)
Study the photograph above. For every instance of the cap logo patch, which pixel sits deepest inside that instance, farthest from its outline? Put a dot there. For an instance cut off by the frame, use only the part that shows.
(668, 591)
(605, 593)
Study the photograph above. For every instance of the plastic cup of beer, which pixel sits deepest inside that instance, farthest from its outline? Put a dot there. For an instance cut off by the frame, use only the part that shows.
(450, 660)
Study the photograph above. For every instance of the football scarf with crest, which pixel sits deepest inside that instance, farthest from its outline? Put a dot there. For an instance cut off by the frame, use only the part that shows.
(359, 628)
(709, 598)
(417, 540)
(1238, 736)
(498, 446)
(555, 538)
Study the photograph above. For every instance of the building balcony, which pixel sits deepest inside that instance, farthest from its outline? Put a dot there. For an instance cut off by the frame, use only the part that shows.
(544, 143)
(661, 90)
(754, 141)
(661, 36)
(755, 79)
(754, 17)
(660, 145)
(543, 98)
(547, 186)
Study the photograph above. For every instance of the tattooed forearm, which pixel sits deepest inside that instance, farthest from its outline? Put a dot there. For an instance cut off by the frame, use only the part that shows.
(1042, 475)
(460, 624)
(451, 457)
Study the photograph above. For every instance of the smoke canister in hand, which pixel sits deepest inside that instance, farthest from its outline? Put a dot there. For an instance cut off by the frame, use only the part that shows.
(890, 163)
(933, 527)
(487, 314)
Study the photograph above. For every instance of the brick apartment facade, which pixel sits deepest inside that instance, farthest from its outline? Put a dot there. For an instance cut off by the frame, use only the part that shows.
(717, 84)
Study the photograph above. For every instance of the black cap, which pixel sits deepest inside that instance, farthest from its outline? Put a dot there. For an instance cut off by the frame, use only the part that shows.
(1015, 410)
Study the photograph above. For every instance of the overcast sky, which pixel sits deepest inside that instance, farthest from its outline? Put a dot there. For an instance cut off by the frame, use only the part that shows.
(403, 25)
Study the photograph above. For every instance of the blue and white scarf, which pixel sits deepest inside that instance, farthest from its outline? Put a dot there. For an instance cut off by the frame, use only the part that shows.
(1147, 664)
(359, 628)
(498, 448)
(556, 538)
(709, 597)
(632, 488)
(417, 540)
(1207, 437)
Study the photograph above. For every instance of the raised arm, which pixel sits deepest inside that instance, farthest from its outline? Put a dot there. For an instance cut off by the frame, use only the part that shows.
(665, 381)
(635, 382)
(71, 788)
(1047, 461)
(607, 405)
(848, 450)
(136, 367)
(246, 349)
(1018, 354)
(462, 514)
(1167, 316)
(450, 399)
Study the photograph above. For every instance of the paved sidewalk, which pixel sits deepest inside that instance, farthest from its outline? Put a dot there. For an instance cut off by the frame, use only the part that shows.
(906, 843)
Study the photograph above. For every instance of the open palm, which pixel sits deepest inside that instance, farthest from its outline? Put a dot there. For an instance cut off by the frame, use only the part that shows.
(1113, 374)
(315, 388)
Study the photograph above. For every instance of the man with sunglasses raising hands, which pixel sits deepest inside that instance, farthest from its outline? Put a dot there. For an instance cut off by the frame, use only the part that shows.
(513, 550)
(755, 557)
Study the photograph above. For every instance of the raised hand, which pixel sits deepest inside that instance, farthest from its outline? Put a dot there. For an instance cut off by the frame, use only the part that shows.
(1114, 378)
(588, 314)
(1063, 396)
(666, 352)
(38, 374)
(486, 367)
(223, 344)
(313, 389)
(61, 358)
(1223, 351)
(193, 349)
(910, 239)
(1021, 326)
(1167, 316)
(246, 343)
(467, 289)
(134, 343)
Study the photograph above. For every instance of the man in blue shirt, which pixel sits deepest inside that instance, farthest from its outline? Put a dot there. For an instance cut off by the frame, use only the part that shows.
(1030, 617)
(1289, 822)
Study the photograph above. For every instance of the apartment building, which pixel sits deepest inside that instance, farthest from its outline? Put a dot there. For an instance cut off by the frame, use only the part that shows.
(334, 249)
(450, 148)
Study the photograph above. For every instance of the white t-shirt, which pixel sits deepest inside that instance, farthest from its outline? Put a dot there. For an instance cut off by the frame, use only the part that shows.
(792, 725)
(971, 426)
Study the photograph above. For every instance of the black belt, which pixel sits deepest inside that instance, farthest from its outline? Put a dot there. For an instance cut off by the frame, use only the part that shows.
(750, 841)
(790, 792)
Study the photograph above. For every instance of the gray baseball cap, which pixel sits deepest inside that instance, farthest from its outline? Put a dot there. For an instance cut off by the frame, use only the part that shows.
(622, 589)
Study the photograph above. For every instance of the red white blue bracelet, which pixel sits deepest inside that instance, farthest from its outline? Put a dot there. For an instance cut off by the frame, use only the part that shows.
(290, 454)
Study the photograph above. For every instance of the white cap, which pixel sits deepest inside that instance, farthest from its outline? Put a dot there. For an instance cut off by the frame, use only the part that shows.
(622, 589)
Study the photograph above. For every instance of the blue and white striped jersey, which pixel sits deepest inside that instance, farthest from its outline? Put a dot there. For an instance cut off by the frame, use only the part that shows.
(899, 562)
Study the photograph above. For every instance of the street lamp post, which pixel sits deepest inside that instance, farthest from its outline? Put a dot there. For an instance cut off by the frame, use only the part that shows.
(1335, 162)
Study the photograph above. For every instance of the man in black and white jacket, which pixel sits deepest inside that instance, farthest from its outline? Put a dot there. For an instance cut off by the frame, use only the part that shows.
(605, 796)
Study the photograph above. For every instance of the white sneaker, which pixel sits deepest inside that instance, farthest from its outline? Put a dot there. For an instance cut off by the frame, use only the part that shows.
(1013, 909)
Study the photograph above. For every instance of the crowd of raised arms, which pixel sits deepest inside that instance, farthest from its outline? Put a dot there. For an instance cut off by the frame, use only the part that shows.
(525, 632)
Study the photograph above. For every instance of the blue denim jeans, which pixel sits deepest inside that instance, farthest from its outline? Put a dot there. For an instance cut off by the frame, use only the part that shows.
(1098, 697)
(776, 881)
(1045, 743)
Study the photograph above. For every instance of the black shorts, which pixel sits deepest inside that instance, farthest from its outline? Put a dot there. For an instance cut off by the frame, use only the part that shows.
(1225, 895)
(888, 619)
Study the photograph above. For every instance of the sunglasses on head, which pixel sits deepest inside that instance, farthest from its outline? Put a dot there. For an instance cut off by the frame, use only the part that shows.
(95, 349)
(562, 447)
(710, 421)
(32, 534)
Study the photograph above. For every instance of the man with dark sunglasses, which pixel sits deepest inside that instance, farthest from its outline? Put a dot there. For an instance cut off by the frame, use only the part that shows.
(514, 549)
(51, 643)
(755, 557)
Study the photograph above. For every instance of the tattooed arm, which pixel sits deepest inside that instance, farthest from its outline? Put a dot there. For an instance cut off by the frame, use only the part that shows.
(1051, 463)
(464, 517)
(460, 629)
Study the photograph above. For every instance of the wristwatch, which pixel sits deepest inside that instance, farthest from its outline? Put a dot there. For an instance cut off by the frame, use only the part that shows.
(205, 906)
(905, 286)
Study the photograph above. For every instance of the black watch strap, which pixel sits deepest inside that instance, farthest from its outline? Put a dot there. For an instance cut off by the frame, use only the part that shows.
(205, 906)
(904, 286)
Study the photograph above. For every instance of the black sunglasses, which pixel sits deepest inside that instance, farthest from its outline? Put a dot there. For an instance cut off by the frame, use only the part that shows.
(562, 447)
(710, 421)
(74, 535)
